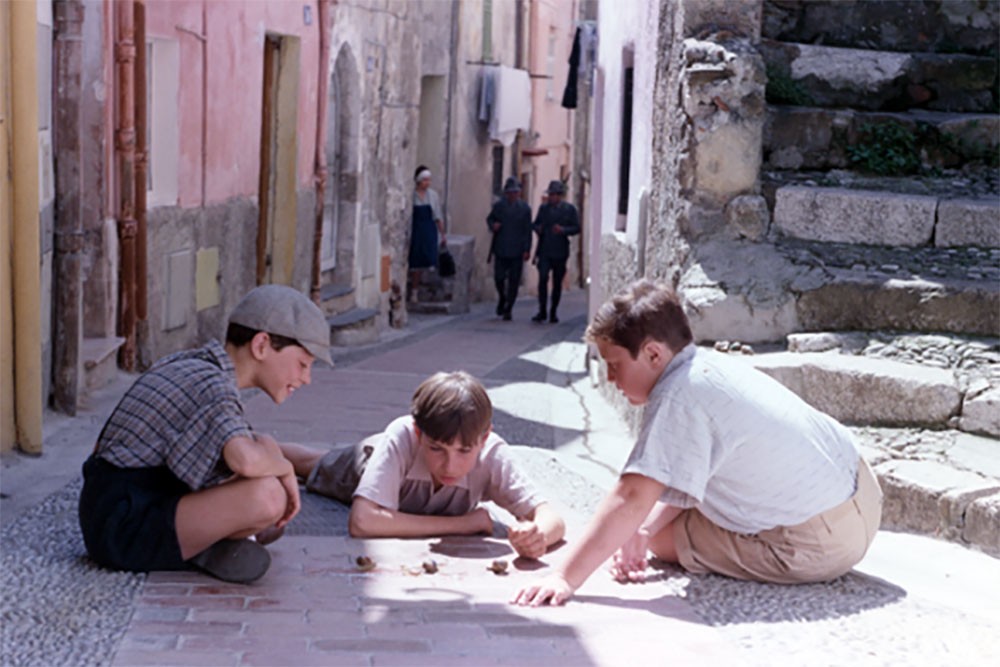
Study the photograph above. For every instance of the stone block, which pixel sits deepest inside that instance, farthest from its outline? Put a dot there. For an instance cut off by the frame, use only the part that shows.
(854, 216)
(982, 524)
(916, 494)
(862, 390)
(962, 222)
(716, 315)
(748, 216)
(981, 413)
(905, 305)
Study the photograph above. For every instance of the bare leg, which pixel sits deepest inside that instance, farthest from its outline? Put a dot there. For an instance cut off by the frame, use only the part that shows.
(663, 545)
(302, 458)
(233, 510)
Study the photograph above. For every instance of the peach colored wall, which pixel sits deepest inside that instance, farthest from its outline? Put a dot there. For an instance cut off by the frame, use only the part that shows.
(234, 33)
(552, 123)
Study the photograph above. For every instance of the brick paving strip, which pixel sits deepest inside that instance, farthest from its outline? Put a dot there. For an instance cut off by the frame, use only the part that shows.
(315, 607)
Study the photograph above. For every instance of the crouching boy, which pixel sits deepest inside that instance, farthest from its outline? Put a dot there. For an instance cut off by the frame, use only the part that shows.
(178, 477)
(731, 473)
(427, 472)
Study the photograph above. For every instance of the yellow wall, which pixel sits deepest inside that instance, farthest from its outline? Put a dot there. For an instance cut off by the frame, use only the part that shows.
(8, 436)
(26, 245)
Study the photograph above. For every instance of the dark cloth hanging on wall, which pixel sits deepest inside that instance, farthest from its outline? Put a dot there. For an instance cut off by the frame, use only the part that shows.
(569, 94)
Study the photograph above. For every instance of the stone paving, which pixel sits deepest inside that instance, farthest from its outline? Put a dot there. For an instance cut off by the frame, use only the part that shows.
(912, 601)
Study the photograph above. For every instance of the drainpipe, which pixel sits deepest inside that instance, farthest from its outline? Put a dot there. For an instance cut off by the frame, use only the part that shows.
(125, 149)
(26, 244)
(141, 159)
(320, 174)
(67, 265)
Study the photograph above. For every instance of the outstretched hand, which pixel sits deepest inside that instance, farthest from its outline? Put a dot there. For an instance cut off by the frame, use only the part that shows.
(553, 589)
(629, 562)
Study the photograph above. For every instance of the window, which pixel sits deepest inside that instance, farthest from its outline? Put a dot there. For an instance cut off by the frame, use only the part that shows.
(498, 171)
(487, 31)
(626, 146)
(162, 134)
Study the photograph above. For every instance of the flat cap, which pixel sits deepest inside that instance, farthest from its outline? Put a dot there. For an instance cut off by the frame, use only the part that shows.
(283, 311)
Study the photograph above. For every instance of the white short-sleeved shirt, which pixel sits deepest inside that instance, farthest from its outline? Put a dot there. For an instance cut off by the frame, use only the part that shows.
(396, 478)
(740, 446)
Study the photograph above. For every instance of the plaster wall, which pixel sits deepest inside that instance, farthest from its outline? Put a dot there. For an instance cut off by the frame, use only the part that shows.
(220, 118)
(552, 26)
(628, 28)
(470, 194)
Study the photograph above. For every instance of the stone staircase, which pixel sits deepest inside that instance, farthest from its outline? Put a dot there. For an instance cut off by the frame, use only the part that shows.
(869, 280)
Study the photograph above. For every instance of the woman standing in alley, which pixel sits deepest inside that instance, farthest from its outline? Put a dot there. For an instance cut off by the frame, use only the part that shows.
(427, 231)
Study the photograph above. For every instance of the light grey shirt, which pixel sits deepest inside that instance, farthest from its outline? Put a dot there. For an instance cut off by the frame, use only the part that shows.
(741, 447)
(432, 199)
(397, 478)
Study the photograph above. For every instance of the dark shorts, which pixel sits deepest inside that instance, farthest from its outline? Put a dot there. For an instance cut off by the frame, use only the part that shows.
(338, 473)
(127, 516)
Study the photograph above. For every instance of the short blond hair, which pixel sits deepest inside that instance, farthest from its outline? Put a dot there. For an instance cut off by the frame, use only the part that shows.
(450, 405)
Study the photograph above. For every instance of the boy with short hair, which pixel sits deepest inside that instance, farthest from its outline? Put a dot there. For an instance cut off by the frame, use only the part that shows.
(427, 472)
(731, 473)
(178, 477)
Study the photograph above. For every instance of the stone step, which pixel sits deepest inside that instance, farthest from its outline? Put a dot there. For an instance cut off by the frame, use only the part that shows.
(100, 360)
(930, 25)
(828, 76)
(800, 137)
(940, 483)
(918, 289)
(761, 292)
(335, 299)
(356, 326)
(873, 217)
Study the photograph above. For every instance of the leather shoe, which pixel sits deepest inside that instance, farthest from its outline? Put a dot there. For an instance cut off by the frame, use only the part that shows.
(236, 561)
(540, 317)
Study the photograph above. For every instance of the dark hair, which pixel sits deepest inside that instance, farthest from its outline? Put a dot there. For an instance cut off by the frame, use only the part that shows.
(447, 405)
(239, 335)
(642, 310)
(420, 169)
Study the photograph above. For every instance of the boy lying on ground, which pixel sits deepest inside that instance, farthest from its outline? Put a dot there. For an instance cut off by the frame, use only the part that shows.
(427, 472)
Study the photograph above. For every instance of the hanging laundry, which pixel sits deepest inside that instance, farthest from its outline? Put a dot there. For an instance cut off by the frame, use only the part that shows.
(569, 93)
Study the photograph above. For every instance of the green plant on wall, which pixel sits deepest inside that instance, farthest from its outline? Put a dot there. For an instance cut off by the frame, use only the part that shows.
(887, 149)
(783, 89)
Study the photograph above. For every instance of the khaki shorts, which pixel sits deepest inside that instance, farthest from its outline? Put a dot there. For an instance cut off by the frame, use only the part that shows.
(338, 473)
(822, 548)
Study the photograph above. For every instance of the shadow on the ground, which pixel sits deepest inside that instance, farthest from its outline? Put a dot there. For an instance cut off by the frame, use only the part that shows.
(724, 601)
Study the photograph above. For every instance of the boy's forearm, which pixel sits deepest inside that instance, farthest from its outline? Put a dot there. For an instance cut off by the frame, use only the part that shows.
(259, 457)
(618, 517)
(368, 519)
(659, 517)
(550, 523)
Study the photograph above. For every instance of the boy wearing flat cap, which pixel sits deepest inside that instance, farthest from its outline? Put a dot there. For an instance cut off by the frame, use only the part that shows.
(178, 477)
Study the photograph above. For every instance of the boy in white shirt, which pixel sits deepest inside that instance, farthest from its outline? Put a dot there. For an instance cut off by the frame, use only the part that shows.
(731, 473)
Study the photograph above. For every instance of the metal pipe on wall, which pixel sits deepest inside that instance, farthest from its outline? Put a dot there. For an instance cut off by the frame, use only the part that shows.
(125, 149)
(321, 174)
(141, 159)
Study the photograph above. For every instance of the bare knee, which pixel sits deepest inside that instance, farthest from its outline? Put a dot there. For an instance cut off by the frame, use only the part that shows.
(267, 500)
(663, 545)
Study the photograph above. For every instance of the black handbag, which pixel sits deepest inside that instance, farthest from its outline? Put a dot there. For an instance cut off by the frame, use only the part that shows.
(446, 263)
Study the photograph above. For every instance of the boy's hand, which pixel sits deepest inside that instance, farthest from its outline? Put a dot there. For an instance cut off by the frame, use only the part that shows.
(553, 589)
(481, 521)
(294, 504)
(527, 539)
(629, 562)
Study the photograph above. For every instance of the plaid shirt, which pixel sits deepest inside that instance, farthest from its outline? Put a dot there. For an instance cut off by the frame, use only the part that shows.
(180, 413)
